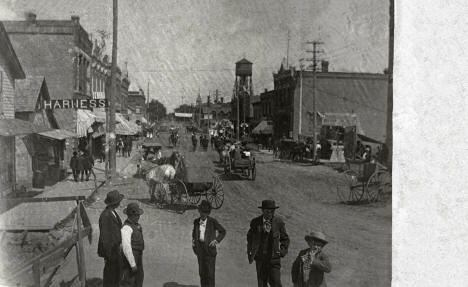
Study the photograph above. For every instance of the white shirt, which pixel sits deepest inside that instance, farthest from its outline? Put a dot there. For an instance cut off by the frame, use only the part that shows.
(202, 229)
(126, 233)
(265, 221)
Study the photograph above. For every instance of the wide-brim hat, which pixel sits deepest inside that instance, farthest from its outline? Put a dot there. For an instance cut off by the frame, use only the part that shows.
(113, 197)
(317, 235)
(205, 206)
(268, 204)
(132, 209)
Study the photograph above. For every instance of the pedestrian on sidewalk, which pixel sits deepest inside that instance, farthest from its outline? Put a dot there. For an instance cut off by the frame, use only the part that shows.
(133, 245)
(74, 166)
(267, 243)
(310, 265)
(110, 240)
(88, 165)
(81, 165)
(206, 235)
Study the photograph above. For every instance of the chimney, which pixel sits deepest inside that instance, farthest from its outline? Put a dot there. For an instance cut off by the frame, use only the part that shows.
(208, 100)
(75, 19)
(221, 99)
(325, 66)
(30, 17)
(385, 71)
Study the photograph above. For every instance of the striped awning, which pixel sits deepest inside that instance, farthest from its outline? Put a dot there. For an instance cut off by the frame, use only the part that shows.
(85, 120)
(59, 134)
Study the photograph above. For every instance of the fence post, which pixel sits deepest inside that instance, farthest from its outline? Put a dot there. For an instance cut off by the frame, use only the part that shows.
(79, 252)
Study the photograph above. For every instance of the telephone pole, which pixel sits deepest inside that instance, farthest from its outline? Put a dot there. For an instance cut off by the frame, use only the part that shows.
(113, 93)
(315, 51)
(389, 138)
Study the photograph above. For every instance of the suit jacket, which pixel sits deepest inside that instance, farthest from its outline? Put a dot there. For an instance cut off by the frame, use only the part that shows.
(320, 264)
(280, 238)
(110, 237)
(213, 231)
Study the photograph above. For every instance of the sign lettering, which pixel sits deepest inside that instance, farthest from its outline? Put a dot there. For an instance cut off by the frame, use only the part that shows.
(75, 104)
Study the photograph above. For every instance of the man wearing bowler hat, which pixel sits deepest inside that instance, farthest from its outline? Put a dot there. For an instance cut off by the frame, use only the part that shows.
(310, 265)
(133, 246)
(267, 243)
(110, 239)
(206, 235)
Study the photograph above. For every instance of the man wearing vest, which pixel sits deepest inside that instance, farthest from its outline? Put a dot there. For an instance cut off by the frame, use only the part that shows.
(267, 243)
(132, 245)
(110, 239)
(204, 241)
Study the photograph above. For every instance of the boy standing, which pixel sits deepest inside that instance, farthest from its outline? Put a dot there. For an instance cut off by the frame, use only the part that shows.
(132, 245)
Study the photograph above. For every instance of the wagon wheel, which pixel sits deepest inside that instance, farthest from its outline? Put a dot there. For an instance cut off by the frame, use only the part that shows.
(215, 195)
(349, 190)
(194, 198)
(179, 194)
(379, 186)
(253, 173)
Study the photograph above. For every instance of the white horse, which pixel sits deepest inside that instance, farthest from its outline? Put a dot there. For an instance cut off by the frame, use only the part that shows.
(158, 178)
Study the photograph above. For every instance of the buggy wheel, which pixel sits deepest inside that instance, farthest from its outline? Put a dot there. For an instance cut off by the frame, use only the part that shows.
(253, 173)
(179, 194)
(379, 186)
(348, 187)
(215, 195)
(194, 198)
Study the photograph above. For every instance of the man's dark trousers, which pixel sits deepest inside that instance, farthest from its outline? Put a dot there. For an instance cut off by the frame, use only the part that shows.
(112, 271)
(268, 271)
(133, 279)
(206, 268)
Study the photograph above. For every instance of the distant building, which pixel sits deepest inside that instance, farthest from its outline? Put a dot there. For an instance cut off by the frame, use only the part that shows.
(137, 104)
(363, 94)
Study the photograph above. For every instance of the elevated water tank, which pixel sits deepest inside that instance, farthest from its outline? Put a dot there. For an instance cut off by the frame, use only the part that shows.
(244, 68)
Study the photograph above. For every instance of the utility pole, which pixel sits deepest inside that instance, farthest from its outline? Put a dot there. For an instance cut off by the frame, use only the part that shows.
(287, 53)
(389, 138)
(113, 94)
(238, 115)
(315, 60)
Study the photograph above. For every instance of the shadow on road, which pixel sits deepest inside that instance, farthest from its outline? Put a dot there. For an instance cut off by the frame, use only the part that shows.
(175, 284)
(91, 282)
(168, 207)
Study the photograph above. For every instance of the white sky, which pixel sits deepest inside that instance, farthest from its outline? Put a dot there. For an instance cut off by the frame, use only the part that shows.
(184, 45)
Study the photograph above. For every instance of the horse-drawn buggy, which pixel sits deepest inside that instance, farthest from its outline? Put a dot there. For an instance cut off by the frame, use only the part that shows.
(364, 181)
(240, 161)
(180, 181)
(290, 149)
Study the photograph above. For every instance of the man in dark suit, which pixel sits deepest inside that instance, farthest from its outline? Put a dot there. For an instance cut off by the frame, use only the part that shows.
(267, 243)
(206, 234)
(110, 239)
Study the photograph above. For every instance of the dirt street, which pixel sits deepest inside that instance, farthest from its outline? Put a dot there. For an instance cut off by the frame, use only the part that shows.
(360, 236)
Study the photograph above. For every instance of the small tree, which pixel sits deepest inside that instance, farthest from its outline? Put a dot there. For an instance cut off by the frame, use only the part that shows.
(156, 111)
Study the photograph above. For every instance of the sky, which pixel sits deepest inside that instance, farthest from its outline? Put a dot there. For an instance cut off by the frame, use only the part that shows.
(183, 46)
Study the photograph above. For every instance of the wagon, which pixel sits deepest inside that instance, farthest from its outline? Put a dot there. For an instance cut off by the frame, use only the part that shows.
(244, 166)
(364, 182)
(196, 179)
(150, 146)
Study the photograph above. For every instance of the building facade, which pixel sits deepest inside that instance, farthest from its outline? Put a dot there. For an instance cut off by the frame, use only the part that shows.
(137, 104)
(363, 94)
(10, 70)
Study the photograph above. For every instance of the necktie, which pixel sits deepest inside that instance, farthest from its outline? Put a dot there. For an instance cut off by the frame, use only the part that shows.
(267, 226)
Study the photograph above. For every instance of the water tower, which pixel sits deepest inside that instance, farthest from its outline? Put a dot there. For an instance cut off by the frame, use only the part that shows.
(243, 89)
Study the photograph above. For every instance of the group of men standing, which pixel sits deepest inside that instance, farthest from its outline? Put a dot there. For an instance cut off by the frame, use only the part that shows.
(122, 244)
(81, 165)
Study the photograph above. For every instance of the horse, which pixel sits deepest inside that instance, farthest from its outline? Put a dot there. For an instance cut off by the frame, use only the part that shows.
(158, 178)
(298, 152)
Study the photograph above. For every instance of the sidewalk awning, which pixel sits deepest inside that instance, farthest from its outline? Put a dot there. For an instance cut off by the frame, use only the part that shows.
(341, 120)
(85, 120)
(15, 127)
(123, 127)
(58, 134)
(263, 128)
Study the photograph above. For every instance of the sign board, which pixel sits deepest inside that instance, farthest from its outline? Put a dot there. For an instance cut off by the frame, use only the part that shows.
(183, 115)
(75, 104)
(208, 116)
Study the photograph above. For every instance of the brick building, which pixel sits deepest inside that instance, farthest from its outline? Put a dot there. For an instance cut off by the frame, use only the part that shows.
(137, 104)
(363, 94)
